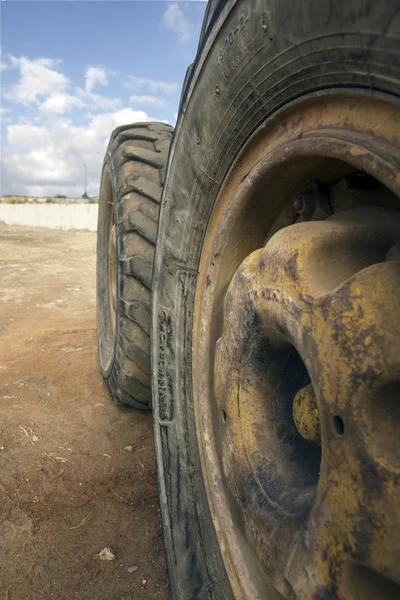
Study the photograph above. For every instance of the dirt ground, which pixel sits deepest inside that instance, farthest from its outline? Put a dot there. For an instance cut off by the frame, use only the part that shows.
(77, 473)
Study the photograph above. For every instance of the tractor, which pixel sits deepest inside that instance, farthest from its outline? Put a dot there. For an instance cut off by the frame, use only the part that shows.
(248, 292)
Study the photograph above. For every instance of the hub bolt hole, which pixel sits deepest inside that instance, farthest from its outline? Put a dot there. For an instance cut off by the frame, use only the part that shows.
(305, 204)
(224, 415)
(338, 425)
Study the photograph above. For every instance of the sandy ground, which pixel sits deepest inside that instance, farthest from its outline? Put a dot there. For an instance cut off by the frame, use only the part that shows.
(77, 473)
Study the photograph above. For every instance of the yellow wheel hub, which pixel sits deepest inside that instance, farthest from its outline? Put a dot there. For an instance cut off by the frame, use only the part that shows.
(319, 302)
(296, 354)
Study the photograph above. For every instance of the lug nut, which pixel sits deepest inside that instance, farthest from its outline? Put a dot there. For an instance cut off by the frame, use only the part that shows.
(305, 204)
(306, 414)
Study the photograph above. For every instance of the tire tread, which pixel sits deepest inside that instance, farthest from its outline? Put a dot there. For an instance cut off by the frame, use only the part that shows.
(137, 155)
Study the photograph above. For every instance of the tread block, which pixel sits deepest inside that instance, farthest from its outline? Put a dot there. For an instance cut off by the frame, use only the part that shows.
(138, 268)
(138, 313)
(131, 332)
(140, 144)
(129, 369)
(162, 145)
(144, 226)
(132, 290)
(133, 134)
(128, 174)
(135, 353)
(133, 244)
(121, 128)
(133, 387)
(136, 399)
(161, 127)
(139, 218)
(144, 186)
(133, 203)
(149, 157)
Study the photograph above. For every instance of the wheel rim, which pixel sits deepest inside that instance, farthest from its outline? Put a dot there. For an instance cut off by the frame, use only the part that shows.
(112, 272)
(107, 275)
(285, 469)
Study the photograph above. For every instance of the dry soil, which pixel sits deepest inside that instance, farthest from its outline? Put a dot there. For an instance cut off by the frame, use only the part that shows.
(77, 473)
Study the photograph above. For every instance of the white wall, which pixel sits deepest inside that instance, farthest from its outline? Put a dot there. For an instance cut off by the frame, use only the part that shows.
(55, 216)
(42, 199)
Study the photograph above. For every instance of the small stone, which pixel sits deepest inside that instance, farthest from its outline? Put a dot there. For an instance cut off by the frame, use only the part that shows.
(132, 569)
(144, 581)
(107, 554)
(128, 448)
(35, 438)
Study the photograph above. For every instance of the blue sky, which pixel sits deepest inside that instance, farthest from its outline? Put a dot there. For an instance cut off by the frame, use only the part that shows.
(71, 71)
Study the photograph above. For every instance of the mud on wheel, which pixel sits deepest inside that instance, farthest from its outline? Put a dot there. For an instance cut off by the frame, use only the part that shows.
(131, 187)
(276, 318)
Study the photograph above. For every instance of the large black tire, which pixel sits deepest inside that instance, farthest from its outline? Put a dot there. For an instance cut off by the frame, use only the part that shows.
(287, 49)
(130, 194)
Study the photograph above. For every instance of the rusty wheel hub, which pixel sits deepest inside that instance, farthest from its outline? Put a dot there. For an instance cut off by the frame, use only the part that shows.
(289, 319)
(297, 356)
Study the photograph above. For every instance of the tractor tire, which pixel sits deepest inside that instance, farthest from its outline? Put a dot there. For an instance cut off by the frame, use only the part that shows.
(311, 87)
(131, 187)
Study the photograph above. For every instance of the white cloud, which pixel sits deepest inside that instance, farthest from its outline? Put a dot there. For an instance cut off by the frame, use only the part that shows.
(60, 103)
(151, 85)
(175, 19)
(94, 76)
(45, 151)
(3, 64)
(4, 115)
(97, 101)
(54, 152)
(103, 125)
(147, 100)
(38, 78)
(103, 102)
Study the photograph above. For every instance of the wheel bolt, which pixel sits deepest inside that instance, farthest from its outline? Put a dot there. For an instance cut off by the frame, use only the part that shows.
(306, 414)
(305, 204)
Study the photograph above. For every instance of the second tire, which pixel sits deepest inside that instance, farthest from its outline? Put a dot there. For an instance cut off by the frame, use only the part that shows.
(130, 194)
